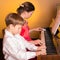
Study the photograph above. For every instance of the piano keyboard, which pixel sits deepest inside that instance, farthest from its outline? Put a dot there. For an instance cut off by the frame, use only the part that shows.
(49, 43)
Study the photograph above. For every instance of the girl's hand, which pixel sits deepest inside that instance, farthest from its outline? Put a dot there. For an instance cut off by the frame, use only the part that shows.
(39, 29)
(41, 47)
(38, 42)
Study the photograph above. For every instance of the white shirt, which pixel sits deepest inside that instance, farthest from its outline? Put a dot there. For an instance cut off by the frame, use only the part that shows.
(14, 47)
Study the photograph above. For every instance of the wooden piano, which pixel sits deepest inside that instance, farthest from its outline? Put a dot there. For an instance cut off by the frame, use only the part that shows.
(52, 43)
(53, 46)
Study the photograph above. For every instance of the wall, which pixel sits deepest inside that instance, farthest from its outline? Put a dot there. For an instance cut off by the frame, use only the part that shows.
(44, 11)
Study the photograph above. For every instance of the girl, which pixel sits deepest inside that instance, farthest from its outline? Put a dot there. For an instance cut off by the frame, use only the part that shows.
(25, 11)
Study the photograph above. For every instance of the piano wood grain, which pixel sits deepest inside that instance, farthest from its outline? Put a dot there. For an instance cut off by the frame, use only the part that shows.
(49, 57)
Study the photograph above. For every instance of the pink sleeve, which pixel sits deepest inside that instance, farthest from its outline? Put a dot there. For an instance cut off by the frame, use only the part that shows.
(25, 33)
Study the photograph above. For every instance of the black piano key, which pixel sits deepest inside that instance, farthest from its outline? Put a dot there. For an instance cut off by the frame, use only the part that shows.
(49, 43)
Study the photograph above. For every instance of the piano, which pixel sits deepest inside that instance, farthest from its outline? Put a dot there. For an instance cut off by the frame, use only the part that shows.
(53, 46)
(52, 43)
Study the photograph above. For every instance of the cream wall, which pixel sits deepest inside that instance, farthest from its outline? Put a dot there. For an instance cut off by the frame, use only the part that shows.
(44, 11)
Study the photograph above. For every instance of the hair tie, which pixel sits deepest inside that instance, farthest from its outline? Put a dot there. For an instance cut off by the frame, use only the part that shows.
(22, 5)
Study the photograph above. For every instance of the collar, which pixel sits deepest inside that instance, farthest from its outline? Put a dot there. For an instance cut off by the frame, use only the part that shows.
(8, 33)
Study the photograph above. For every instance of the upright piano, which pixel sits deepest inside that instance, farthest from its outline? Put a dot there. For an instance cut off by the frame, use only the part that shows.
(52, 43)
(53, 46)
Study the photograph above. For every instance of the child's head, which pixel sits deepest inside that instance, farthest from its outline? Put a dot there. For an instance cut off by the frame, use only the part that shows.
(14, 23)
(26, 9)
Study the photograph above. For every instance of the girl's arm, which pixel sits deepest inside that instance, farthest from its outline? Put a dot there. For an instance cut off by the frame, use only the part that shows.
(37, 29)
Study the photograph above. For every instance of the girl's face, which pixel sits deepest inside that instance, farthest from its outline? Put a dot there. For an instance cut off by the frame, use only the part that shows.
(28, 14)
